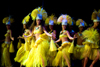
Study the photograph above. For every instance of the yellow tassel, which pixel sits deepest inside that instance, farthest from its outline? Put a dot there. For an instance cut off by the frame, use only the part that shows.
(19, 44)
(52, 46)
(11, 49)
(71, 48)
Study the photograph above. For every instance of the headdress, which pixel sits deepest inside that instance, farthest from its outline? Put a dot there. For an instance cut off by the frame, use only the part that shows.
(51, 20)
(80, 23)
(95, 16)
(64, 19)
(8, 20)
(26, 19)
(39, 13)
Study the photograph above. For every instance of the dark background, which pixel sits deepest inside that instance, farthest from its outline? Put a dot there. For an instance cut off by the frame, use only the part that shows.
(20, 8)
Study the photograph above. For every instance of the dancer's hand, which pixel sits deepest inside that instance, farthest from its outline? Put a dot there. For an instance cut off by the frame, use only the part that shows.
(60, 48)
(12, 38)
(19, 37)
(75, 37)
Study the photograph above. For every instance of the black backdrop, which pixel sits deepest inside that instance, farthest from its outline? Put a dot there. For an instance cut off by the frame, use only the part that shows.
(20, 8)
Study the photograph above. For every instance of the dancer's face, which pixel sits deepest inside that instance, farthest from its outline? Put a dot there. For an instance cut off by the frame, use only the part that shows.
(96, 24)
(8, 26)
(81, 28)
(64, 27)
(38, 21)
(24, 26)
(51, 27)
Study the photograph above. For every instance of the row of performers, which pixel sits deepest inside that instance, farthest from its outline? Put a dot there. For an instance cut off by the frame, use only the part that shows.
(40, 47)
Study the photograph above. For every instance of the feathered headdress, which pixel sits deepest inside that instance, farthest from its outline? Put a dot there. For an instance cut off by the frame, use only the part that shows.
(8, 20)
(26, 19)
(51, 20)
(39, 13)
(64, 18)
(95, 16)
(80, 22)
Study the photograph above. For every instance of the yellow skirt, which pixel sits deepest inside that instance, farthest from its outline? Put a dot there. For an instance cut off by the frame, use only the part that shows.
(93, 53)
(87, 50)
(51, 57)
(78, 51)
(5, 58)
(90, 51)
(59, 59)
(22, 53)
(38, 54)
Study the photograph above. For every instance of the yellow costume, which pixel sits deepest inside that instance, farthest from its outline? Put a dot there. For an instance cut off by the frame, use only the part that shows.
(91, 43)
(23, 51)
(79, 48)
(52, 51)
(59, 59)
(78, 51)
(6, 52)
(38, 53)
(51, 20)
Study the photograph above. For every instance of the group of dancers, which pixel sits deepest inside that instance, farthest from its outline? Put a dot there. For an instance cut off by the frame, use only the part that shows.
(41, 47)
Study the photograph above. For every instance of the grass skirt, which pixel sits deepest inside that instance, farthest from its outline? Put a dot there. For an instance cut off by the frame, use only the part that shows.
(78, 51)
(59, 59)
(22, 53)
(90, 51)
(5, 58)
(38, 53)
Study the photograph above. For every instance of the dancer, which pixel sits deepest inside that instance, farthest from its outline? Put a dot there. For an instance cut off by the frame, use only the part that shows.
(7, 46)
(23, 51)
(79, 48)
(98, 20)
(51, 21)
(38, 54)
(92, 40)
(64, 48)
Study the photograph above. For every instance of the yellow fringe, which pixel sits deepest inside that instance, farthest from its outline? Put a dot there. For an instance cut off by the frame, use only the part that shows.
(52, 46)
(11, 48)
(71, 49)
(19, 44)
